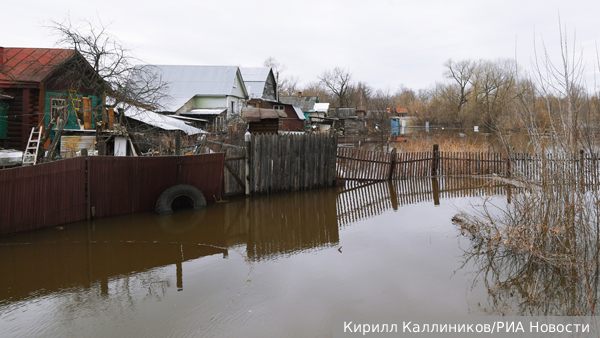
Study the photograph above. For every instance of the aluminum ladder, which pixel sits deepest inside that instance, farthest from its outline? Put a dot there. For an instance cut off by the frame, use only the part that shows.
(30, 154)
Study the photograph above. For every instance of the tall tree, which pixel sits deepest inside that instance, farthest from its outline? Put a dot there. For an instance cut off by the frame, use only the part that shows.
(338, 83)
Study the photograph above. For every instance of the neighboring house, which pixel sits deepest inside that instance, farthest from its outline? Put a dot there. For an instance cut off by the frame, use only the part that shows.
(42, 84)
(318, 113)
(347, 117)
(305, 103)
(214, 93)
(295, 120)
(261, 86)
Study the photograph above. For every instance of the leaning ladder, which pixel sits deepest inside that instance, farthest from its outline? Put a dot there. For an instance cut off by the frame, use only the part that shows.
(33, 145)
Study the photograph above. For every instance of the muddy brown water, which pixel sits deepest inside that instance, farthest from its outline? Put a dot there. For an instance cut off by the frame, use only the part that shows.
(282, 265)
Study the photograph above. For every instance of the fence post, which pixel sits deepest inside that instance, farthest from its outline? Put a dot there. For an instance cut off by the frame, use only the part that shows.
(392, 164)
(435, 159)
(248, 140)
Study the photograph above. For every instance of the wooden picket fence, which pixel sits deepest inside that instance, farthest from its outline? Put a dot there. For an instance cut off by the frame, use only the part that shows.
(364, 165)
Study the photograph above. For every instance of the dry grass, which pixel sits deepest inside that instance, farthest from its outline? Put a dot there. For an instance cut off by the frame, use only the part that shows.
(450, 145)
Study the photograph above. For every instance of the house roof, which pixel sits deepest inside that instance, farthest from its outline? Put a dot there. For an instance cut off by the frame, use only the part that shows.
(31, 64)
(161, 121)
(252, 114)
(186, 82)
(305, 103)
(255, 79)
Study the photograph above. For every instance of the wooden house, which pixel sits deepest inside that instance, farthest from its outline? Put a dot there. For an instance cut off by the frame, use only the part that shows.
(213, 93)
(38, 85)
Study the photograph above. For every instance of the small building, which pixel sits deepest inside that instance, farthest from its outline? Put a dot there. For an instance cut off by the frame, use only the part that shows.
(40, 85)
(304, 103)
(213, 93)
(262, 120)
(348, 119)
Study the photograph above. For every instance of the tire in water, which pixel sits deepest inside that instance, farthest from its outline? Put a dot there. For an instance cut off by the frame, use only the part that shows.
(164, 203)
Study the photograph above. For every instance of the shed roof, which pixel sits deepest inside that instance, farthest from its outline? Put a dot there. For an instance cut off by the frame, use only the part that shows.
(185, 82)
(31, 64)
(161, 121)
(252, 114)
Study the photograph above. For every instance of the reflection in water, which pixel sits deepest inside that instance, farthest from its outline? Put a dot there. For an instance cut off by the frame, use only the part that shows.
(107, 270)
(536, 263)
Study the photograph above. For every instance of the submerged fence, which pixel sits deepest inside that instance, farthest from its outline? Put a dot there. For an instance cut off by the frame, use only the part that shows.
(74, 189)
(367, 165)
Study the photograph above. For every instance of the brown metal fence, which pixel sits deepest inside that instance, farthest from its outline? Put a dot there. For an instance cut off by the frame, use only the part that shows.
(42, 196)
(126, 185)
(204, 172)
(55, 193)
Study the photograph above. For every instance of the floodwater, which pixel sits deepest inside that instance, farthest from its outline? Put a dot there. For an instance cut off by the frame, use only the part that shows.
(281, 265)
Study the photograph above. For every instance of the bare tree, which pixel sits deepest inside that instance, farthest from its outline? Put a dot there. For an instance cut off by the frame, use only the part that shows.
(338, 83)
(112, 61)
(462, 73)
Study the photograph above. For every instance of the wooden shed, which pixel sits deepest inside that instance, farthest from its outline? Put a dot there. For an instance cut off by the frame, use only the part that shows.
(261, 120)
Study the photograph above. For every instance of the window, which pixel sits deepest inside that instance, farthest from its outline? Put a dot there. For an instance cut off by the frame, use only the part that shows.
(58, 109)
(279, 107)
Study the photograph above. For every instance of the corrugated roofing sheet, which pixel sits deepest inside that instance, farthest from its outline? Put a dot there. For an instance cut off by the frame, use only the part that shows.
(161, 121)
(32, 64)
(185, 82)
(255, 79)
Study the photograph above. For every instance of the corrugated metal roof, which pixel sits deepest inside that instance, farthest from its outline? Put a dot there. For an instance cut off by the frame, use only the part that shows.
(255, 80)
(161, 121)
(185, 82)
(32, 64)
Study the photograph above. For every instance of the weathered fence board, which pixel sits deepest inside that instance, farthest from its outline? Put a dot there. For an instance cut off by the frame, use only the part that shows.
(292, 162)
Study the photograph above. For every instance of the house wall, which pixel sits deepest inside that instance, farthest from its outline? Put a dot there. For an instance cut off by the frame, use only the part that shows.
(210, 102)
(3, 119)
(72, 121)
(22, 113)
(291, 124)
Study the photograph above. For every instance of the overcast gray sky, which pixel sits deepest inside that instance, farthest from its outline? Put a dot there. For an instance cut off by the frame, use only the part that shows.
(383, 42)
